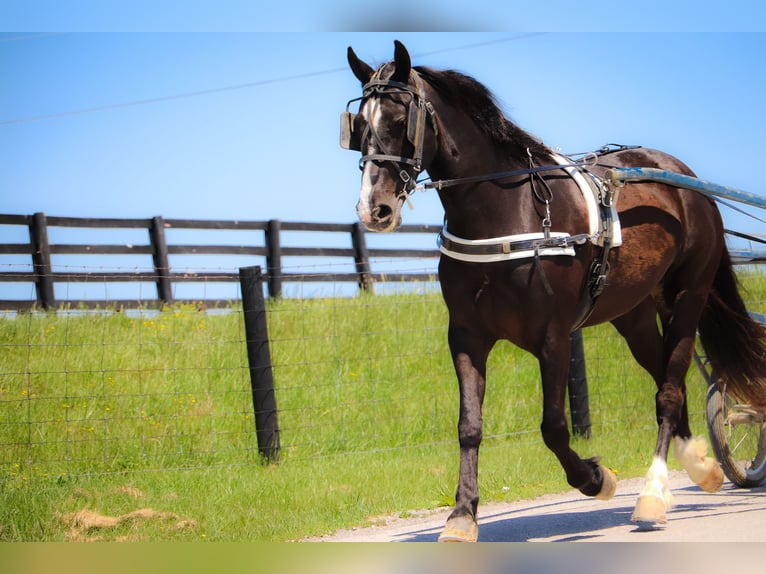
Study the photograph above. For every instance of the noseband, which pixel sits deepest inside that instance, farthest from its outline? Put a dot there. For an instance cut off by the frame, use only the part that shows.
(418, 109)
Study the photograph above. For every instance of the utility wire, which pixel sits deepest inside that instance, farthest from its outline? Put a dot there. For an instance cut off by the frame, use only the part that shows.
(244, 86)
(168, 98)
(482, 44)
(29, 36)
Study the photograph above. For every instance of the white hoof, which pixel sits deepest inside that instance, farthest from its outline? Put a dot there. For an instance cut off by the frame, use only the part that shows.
(655, 499)
(460, 529)
(608, 485)
(703, 470)
(650, 512)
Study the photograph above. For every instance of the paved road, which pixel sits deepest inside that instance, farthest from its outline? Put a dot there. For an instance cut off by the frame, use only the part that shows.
(731, 515)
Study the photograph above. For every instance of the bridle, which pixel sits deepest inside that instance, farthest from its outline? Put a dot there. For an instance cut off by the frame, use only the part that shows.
(419, 108)
(354, 130)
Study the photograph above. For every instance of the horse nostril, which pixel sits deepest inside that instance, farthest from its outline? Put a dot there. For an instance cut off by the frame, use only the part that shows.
(382, 213)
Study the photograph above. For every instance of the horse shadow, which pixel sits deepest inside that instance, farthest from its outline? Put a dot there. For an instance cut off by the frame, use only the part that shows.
(549, 521)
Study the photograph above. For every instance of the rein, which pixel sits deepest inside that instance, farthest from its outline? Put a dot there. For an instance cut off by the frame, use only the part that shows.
(588, 159)
(442, 183)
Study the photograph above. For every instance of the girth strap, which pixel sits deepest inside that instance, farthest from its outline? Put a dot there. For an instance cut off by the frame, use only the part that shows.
(595, 281)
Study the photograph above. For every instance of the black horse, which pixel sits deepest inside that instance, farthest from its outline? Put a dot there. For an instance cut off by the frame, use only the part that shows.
(536, 245)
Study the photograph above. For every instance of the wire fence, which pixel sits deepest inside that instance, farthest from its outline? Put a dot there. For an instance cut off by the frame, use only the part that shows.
(89, 391)
(86, 390)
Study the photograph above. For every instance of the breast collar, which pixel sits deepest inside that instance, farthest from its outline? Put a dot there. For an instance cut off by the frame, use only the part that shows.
(603, 228)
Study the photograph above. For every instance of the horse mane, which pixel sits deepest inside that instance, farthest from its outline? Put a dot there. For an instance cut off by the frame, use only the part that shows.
(468, 94)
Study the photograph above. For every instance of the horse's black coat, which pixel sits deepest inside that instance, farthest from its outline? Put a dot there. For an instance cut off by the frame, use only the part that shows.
(673, 263)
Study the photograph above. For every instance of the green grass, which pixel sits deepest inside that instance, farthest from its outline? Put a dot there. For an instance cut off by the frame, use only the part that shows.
(112, 413)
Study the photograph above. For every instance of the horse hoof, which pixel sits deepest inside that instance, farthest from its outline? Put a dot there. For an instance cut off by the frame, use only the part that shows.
(460, 529)
(608, 484)
(649, 512)
(713, 480)
(704, 471)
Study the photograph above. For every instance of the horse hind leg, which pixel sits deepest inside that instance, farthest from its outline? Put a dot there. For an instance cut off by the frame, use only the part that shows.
(647, 344)
(655, 498)
(704, 471)
(641, 333)
(668, 358)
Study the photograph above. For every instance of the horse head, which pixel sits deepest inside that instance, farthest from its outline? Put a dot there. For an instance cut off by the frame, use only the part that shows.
(389, 130)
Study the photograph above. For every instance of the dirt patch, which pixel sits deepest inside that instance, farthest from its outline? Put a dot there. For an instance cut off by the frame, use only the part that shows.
(131, 491)
(89, 526)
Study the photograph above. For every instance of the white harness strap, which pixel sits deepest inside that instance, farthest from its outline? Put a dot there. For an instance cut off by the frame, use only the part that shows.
(505, 248)
(591, 189)
(527, 245)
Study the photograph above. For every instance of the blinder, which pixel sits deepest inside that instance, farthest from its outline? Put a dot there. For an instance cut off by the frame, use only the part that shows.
(352, 127)
(413, 120)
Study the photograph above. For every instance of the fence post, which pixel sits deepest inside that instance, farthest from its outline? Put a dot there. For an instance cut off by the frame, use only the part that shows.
(361, 257)
(274, 257)
(161, 260)
(41, 261)
(579, 409)
(259, 359)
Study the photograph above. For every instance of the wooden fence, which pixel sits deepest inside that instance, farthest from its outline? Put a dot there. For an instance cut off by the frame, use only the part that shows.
(36, 265)
(44, 274)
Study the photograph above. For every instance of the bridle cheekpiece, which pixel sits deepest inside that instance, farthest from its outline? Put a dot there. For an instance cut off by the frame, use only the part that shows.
(354, 129)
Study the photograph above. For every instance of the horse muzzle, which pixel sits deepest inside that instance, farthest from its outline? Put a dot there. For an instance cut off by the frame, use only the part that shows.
(383, 217)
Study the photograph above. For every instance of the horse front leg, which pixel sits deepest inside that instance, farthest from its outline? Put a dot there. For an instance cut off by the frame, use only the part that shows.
(469, 355)
(588, 476)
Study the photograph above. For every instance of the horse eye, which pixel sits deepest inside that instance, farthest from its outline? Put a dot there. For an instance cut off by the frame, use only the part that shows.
(395, 127)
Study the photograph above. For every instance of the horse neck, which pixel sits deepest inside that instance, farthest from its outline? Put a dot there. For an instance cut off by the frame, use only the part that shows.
(490, 208)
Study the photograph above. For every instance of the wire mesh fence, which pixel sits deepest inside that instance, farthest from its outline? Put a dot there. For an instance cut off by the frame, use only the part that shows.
(100, 391)
(88, 391)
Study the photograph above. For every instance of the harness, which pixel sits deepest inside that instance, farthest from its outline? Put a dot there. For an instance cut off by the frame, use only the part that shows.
(604, 231)
(354, 128)
(600, 197)
(600, 202)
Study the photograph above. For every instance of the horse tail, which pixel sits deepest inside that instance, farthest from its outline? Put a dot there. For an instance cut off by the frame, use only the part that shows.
(735, 343)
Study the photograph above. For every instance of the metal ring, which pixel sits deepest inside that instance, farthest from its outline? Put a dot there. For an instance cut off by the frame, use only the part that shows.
(590, 158)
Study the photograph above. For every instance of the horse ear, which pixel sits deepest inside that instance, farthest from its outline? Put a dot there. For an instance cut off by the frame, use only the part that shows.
(403, 63)
(361, 70)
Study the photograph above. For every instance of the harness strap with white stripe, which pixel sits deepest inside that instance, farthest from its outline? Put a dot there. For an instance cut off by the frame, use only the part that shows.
(604, 231)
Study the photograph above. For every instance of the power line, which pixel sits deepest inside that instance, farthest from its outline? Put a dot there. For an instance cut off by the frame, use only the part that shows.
(482, 44)
(169, 98)
(248, 85)
(30, 36)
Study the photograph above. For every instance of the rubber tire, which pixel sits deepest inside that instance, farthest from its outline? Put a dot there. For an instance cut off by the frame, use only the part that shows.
(717, 412)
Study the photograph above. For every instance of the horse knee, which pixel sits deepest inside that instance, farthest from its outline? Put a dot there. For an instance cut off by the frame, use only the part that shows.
(555, 434)
(669, 404)
(470, 433)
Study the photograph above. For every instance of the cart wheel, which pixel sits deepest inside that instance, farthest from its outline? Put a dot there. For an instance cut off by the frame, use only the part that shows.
(738, 437)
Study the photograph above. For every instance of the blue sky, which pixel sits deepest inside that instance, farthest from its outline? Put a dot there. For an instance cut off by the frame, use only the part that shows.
(232, 112)
(369, 15)
(245, 125)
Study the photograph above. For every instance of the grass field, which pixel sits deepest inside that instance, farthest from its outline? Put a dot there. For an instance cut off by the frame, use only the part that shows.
(118, 426)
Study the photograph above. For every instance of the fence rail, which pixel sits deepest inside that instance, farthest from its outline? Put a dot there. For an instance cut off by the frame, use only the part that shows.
(37, 260)
(44, 274)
